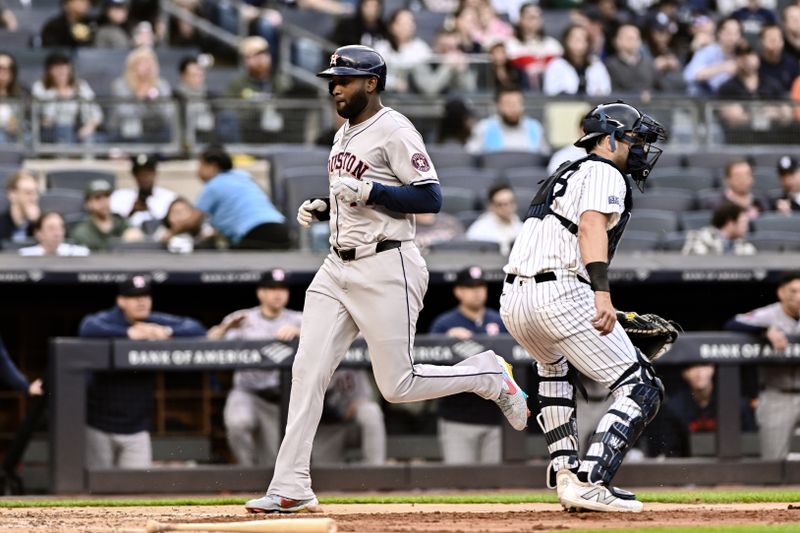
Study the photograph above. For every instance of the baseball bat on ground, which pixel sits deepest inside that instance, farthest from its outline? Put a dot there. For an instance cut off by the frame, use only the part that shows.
(296, 525)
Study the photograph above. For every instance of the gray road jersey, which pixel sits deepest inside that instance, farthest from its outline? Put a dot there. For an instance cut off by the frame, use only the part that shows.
(783, 376)
(257, 327)
(386, 149)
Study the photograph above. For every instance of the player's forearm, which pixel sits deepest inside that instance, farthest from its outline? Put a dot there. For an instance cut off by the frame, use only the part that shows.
(408, 198)
(735, 325)
(592, 237)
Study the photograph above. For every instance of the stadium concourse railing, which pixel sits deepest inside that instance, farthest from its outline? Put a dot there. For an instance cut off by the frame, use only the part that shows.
(179, 128)
(71, 359)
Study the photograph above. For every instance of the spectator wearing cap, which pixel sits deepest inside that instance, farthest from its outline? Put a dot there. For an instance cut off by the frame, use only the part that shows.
(754, 17)
(22, 192)
(469, 430)
(252, 409)
(120, 404)
(789, 175)
(725, 235)
(102, 225)
(714, 64)
(659, 33)
(238, 208)
(256, 83)
(147, 201)
(630, 70)
(68, 112)
(71, 28)
(114, 28)
(500, 222)
(775, 63)
(748, 84)
(49, 230)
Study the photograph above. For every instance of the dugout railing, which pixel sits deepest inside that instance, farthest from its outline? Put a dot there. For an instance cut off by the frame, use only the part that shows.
(71, 359)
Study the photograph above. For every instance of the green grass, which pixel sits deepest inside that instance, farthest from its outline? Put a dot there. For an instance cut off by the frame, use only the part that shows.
(687, 496)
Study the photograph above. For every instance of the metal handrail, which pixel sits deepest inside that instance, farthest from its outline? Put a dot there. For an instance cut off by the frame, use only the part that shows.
(169, 7)
(698, 117)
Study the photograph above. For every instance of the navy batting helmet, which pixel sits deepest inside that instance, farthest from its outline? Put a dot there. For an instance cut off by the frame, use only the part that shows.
(356, 60)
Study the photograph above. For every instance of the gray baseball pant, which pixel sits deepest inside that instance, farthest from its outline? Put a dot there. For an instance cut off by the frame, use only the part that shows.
(379, 295)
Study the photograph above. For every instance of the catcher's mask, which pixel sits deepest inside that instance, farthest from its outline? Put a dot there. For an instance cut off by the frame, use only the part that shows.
(624, 122)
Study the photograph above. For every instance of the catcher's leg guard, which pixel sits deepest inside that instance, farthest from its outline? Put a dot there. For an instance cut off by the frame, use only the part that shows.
(557, 417)
(638, 395)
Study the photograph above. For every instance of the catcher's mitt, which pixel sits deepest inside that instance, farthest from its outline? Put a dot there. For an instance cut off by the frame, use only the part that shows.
(650, 333)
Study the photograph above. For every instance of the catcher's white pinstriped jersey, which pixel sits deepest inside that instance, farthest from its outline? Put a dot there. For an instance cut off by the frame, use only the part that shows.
(545, 244)
(552, 319)
(386, 149)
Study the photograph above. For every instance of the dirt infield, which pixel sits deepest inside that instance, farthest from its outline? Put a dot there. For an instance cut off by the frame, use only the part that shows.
(390, 518)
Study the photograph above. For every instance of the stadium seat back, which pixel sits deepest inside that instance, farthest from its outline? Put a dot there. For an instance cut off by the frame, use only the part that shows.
(77, 179)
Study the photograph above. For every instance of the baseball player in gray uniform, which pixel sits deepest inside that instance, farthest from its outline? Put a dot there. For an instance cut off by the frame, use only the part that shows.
(556, 302)
(778, 408)
(374, 279)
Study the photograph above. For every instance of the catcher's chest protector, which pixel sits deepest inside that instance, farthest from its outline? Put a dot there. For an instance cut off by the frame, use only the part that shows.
(541, 204)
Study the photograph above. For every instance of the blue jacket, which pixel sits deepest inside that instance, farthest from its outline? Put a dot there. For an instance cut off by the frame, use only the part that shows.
(468, 408)
(122, 402)
(9, 374)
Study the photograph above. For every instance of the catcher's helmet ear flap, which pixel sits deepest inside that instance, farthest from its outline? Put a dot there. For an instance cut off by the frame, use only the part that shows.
(356, 60)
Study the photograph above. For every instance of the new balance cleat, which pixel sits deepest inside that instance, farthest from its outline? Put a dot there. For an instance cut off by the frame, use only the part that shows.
(512, 400)
(277, 504)
(576, 495)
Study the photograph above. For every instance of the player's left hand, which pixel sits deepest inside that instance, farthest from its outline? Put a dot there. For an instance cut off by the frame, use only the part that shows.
(350, 190)
(606, 315)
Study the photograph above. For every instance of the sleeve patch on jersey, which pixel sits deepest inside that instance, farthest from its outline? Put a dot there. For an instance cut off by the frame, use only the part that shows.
(420, 162)
(613, 200)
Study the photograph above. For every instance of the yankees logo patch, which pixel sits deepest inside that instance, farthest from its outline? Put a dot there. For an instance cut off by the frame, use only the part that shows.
(420, 162)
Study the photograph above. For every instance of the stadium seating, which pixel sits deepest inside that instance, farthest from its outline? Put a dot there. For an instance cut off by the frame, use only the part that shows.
(511, 159)
(458, 199)
(77, 179)
(299, 189)
(65, 201)
(777, 222)
(525, 177)
(479, 180)
(459, 245)
(653, 220)
(676, 200)
(639, 241)
(775, 241)
(138, 246)
(695, 219)
(446, 156)
(468, 217)
(673, 241)
(691, 179)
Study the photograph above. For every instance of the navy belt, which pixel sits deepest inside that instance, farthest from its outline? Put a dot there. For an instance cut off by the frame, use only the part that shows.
(542, 277)
(349, 254)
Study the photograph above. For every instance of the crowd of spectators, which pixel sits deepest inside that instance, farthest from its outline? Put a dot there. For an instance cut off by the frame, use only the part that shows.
(602, 48)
